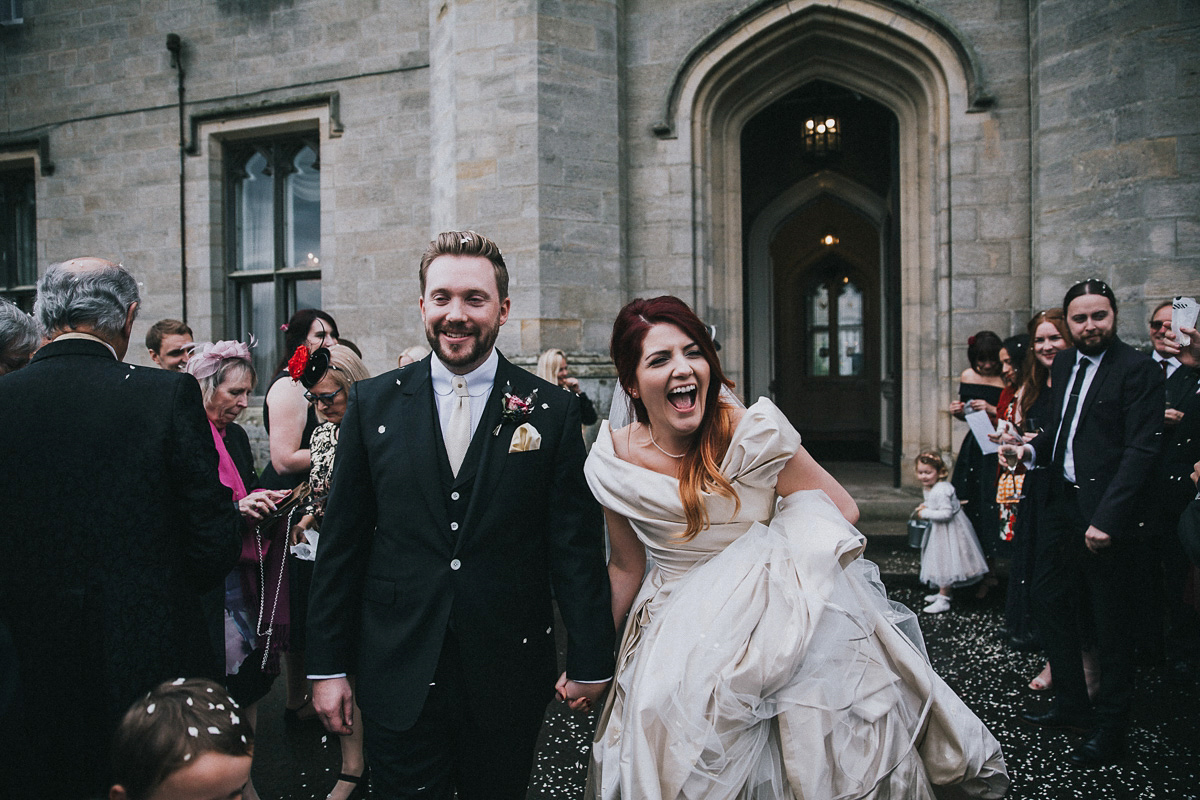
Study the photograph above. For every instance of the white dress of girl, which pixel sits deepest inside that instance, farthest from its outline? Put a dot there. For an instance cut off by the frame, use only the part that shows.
(950, 553)
(762, 659)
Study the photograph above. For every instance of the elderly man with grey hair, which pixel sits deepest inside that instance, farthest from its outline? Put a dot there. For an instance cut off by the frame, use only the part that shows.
(19, 337)
(115, 524)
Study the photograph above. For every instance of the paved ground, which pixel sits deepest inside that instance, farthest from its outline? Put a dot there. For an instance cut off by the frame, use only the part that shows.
(1165, 747)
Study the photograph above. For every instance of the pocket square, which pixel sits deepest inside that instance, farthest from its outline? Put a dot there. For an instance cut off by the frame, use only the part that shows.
(525, 438)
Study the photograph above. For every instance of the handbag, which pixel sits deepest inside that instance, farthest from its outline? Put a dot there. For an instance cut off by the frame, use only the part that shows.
(917, 530)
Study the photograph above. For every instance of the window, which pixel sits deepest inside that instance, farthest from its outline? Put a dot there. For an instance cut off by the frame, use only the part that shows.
(840, 322)
(18, 236)
(273, 204)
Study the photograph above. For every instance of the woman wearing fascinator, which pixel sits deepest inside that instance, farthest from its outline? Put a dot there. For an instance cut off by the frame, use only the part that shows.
(290, 421)
(760, 656)
(327, 377)
(252, 640)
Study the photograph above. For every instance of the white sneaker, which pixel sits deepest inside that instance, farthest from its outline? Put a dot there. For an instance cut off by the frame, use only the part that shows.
(939, 605)
(929, 598)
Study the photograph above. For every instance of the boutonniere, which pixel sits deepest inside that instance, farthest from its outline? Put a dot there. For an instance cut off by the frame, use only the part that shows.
(514, 408)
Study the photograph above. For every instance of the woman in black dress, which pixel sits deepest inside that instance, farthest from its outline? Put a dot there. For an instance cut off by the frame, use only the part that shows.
(974, 477)
(290, 421)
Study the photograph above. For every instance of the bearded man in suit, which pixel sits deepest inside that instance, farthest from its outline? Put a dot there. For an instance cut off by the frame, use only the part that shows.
(1099, 450)
(458, 503)
(115, 523)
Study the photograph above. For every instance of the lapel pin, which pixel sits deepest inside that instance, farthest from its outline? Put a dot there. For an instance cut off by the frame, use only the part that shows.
(382, 428)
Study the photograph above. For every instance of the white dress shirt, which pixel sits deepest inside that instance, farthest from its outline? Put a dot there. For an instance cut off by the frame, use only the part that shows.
(1172, 362)
(479, 387)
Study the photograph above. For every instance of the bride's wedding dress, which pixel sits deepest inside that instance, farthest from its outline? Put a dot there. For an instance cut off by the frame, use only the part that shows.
(762, 659)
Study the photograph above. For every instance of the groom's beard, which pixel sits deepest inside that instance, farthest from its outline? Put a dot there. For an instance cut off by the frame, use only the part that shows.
(471, 351)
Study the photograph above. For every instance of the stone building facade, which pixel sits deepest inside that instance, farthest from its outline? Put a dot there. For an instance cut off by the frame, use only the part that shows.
(988, 154)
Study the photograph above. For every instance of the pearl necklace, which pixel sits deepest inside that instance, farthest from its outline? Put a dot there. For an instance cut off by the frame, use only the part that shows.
(656, 444)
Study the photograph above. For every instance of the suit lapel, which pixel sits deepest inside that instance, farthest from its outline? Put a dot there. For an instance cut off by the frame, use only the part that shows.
(422, 434)
(1107, 365)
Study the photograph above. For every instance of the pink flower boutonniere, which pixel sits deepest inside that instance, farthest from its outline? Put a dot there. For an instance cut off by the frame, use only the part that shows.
(516, 409)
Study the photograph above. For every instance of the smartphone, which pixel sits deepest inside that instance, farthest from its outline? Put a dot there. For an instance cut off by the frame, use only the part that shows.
(1183, 313)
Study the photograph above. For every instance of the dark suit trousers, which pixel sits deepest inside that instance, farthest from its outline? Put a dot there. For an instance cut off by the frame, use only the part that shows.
(1071, 582)
(453, 745)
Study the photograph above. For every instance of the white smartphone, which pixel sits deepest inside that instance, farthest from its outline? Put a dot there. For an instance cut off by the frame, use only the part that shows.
(1183, 313)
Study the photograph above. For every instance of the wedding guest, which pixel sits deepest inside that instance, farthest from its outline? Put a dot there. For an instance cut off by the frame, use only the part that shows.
(412, 354)
(327, 378)
(185, 739)
(169, 342)
(252, 641)
(19, 337)
(290, 421)
(1180, 630)
(1008, 484)
(1100, 444)
(116, 523)
(974, 477)
(552, 366)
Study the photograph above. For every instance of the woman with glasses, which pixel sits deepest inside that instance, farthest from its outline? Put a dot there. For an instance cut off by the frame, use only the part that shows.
(328, 378)
(290, 422)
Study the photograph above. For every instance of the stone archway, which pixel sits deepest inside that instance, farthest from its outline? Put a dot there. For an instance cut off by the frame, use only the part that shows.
(911, 63)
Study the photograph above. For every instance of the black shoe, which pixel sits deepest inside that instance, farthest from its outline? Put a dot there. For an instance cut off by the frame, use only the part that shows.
(1057, 720)
(1107, 746)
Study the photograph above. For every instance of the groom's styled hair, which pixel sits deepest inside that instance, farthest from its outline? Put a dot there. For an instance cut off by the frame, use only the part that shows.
(466, 243)
(700, 468)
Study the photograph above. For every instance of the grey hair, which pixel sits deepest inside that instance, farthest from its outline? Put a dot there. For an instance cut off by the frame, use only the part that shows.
(19, 337)
(210, 383)
(98, 297)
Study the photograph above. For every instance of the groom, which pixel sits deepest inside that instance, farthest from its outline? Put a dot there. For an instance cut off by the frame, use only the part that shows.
(456, 507)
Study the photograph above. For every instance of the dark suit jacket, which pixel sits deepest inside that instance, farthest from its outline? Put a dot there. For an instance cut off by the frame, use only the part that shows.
(1119, 436)
(391, 576)
(1181, 447)
(1180, 385)
(114, 522)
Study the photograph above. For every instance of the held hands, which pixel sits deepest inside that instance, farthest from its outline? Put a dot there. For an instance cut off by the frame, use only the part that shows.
(1097, 539)
(334, 701)
(257, 505)
(579, 696)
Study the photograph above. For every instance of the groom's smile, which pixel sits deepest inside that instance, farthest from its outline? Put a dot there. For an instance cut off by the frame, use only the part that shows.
(462, 310)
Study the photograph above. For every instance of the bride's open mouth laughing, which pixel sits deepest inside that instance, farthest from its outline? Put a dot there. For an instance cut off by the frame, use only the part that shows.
(683, 398)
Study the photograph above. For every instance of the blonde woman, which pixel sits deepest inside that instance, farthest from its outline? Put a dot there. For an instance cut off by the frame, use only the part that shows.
(327, 379)
(552, 366)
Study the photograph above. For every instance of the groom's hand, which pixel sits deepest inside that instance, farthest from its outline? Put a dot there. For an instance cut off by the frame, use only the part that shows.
(580, 696)
(333, 698)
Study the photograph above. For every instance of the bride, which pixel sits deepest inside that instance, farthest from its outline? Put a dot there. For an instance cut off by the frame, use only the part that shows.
(760, 657)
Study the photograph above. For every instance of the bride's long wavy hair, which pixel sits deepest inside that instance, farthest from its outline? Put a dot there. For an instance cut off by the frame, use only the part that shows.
(699, 469)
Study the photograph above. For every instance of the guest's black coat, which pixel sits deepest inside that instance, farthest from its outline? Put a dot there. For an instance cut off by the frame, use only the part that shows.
(392, 576)
(1118, 439)
(114, 522)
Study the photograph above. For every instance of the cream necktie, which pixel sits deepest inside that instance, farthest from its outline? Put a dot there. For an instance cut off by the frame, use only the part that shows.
(458, 432)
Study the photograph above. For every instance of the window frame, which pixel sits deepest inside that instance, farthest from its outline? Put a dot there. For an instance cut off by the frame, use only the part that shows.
(11, 288)
(280, 150)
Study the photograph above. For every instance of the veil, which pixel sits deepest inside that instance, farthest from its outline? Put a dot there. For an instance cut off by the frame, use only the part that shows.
(620, 412)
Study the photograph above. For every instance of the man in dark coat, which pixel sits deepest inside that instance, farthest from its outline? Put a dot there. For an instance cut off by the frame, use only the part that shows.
(458, 503)
(115, 522)
(1100, 448)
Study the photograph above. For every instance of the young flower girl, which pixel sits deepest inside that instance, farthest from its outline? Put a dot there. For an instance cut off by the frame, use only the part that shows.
(950, 554)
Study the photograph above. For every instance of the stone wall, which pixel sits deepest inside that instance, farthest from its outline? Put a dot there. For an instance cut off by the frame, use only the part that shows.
(1117, 151)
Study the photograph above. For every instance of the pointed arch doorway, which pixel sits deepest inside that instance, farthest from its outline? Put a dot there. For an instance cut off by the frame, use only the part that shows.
(925, 73)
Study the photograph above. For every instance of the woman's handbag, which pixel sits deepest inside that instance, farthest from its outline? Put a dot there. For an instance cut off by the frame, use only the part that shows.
(917, 529)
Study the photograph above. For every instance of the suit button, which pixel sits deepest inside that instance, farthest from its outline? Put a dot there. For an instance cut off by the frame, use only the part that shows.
(455, 564)
(453, 526)
(454, 495)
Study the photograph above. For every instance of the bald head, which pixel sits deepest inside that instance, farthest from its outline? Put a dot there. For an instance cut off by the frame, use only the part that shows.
(88, 295)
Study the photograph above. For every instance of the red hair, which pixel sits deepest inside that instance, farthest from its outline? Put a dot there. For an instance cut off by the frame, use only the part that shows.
(699, 469)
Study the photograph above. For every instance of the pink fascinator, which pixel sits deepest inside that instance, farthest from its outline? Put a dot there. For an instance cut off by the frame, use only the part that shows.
(207, 358)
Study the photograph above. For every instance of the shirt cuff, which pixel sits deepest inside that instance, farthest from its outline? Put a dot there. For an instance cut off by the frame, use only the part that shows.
(326, 677)
(572, 680)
